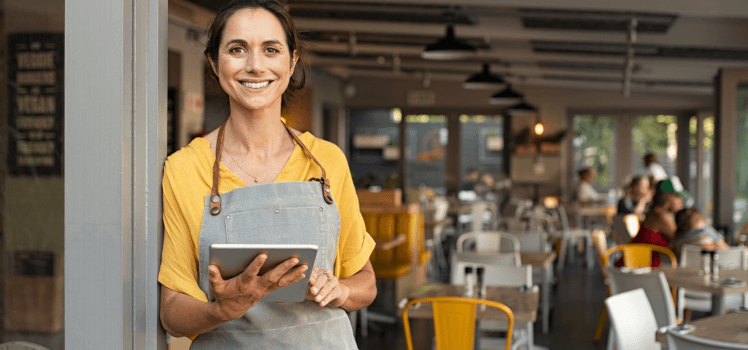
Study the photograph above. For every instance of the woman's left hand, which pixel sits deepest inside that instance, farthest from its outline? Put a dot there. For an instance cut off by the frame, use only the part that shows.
(325, 289)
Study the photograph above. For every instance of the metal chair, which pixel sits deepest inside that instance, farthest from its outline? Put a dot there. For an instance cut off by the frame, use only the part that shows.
(487, 242)
(678, 341)
(632, 319)
(637, 255)
(454, 321)
(500, 276)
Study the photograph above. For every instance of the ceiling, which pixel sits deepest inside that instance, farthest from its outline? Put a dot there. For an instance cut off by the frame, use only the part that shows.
(680, 44)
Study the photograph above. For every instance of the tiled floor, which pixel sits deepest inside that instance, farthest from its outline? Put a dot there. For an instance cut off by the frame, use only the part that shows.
(577, 301)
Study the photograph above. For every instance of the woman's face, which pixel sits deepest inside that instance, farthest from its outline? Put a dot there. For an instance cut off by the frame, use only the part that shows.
(254, 64)
(642, 188)
(675, 204)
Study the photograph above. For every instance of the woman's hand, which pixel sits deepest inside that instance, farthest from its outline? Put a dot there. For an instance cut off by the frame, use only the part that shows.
(325, 289)
(237, 295)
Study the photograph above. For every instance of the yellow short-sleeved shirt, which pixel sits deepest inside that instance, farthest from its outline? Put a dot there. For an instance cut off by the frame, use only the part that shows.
(188, 176)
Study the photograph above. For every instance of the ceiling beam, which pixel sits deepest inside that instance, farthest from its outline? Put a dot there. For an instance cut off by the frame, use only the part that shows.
(691, 8)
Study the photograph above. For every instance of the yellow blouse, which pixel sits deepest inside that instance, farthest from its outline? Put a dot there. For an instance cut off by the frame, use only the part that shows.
(188, 176)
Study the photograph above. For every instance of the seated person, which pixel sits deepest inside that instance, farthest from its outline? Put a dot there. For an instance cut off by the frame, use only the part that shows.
(659, 227)
(692, 229)
(585, 194)
(638, 196)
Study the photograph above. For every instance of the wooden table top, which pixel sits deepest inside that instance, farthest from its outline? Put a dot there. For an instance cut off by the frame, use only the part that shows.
(732, 328)
(536, 259)
(690, 278)
(605, 210)
(524, 305)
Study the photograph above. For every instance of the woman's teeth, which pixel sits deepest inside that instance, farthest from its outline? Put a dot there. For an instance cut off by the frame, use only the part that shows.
(256, 85)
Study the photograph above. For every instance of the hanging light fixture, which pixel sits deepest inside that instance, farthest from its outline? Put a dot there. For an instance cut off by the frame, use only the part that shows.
(522, 109)
(539, 128)
(448, 48)
(483, 80)
(506, 96)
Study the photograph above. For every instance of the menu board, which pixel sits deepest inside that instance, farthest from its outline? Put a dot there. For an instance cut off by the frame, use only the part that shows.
(35, 103)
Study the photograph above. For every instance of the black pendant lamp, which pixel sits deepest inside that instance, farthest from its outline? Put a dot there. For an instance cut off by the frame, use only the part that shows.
(448, 48)
(506, 97)
(522, 109)
(483, 80)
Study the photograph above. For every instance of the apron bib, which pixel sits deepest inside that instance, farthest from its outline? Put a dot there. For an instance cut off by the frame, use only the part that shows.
(275, 213)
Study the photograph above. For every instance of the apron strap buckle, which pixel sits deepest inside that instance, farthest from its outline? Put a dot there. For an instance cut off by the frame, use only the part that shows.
(326, 193)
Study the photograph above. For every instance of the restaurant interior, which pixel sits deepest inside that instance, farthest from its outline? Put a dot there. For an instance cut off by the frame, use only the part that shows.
(516, 163)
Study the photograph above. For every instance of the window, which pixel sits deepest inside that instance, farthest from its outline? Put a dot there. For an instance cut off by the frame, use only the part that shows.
(594, 141)
(654, 134)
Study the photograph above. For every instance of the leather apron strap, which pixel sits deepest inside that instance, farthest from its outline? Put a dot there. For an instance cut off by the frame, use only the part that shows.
(215, 198)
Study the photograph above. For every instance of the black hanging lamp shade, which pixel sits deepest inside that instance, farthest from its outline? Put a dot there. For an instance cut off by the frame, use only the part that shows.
(483, 80)
(506, 96)
(522, 109)
(448, 48)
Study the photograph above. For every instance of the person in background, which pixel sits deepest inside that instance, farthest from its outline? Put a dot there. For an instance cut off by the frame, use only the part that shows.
(638, 196)
(659, 227)
(585, 193)
(692, 229)
(471, 179)
(654, 169)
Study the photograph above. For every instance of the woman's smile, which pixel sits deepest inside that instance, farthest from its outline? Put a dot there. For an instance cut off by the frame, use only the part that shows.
(256, 86)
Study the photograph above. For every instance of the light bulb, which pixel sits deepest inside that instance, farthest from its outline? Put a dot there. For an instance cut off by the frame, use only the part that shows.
(539, 128)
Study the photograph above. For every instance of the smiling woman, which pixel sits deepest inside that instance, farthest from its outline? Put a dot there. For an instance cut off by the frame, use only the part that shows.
(254, 50)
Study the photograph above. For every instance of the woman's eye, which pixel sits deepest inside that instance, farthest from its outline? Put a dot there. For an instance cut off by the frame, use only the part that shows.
(236, 49)
(272, 50)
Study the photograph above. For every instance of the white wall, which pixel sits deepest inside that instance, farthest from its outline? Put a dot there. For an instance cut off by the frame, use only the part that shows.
(183, 42)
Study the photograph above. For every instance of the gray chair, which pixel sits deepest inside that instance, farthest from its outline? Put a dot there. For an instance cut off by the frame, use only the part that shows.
(21, 345)
(633, 320)
(677, 341)
(656, 288)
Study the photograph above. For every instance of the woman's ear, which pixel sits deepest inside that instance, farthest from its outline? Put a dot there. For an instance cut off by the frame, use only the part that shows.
(294, 59)
(213, 65)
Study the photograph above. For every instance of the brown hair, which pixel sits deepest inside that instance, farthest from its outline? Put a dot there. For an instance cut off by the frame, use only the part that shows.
(649, 158)
(293, 39)
(683, 218)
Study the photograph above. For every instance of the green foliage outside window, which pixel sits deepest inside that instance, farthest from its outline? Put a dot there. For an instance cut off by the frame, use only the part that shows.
(650, 134)
(594, 137)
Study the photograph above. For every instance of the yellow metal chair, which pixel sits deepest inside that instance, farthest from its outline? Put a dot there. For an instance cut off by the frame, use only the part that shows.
(636, 255)
(600, 241)
(454, 321)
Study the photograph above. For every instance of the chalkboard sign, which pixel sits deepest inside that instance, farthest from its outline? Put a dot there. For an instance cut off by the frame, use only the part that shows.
(35, 103)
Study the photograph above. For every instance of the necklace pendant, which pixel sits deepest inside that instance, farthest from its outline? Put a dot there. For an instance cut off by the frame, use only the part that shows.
(256, 181)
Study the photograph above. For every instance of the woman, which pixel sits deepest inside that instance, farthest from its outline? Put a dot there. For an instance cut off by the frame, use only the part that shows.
(659, 227)
(637, 197)
(248, 182)
(693, 230)
(585, 193)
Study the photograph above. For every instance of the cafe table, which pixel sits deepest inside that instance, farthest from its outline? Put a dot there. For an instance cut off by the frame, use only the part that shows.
(731, 328)
(690, 278)
(523, 303)
(542, 261)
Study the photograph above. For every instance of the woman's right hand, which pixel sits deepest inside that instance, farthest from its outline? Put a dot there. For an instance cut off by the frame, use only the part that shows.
(233, 297)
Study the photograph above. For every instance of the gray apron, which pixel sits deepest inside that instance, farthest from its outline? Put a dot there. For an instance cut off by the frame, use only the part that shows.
(275, 213)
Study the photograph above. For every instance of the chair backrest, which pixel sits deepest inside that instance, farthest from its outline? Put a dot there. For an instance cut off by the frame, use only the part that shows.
(533, 241)
(21, 345)
(495, 274)
(600, 241)
(454, 321)
(637, 255)
(488, 241)
(677, 341)
(633, 320)
(731, 258)
(625, 227)
(654, 285)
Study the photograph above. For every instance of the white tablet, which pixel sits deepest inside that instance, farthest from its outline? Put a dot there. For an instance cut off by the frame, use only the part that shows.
(233, 259)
